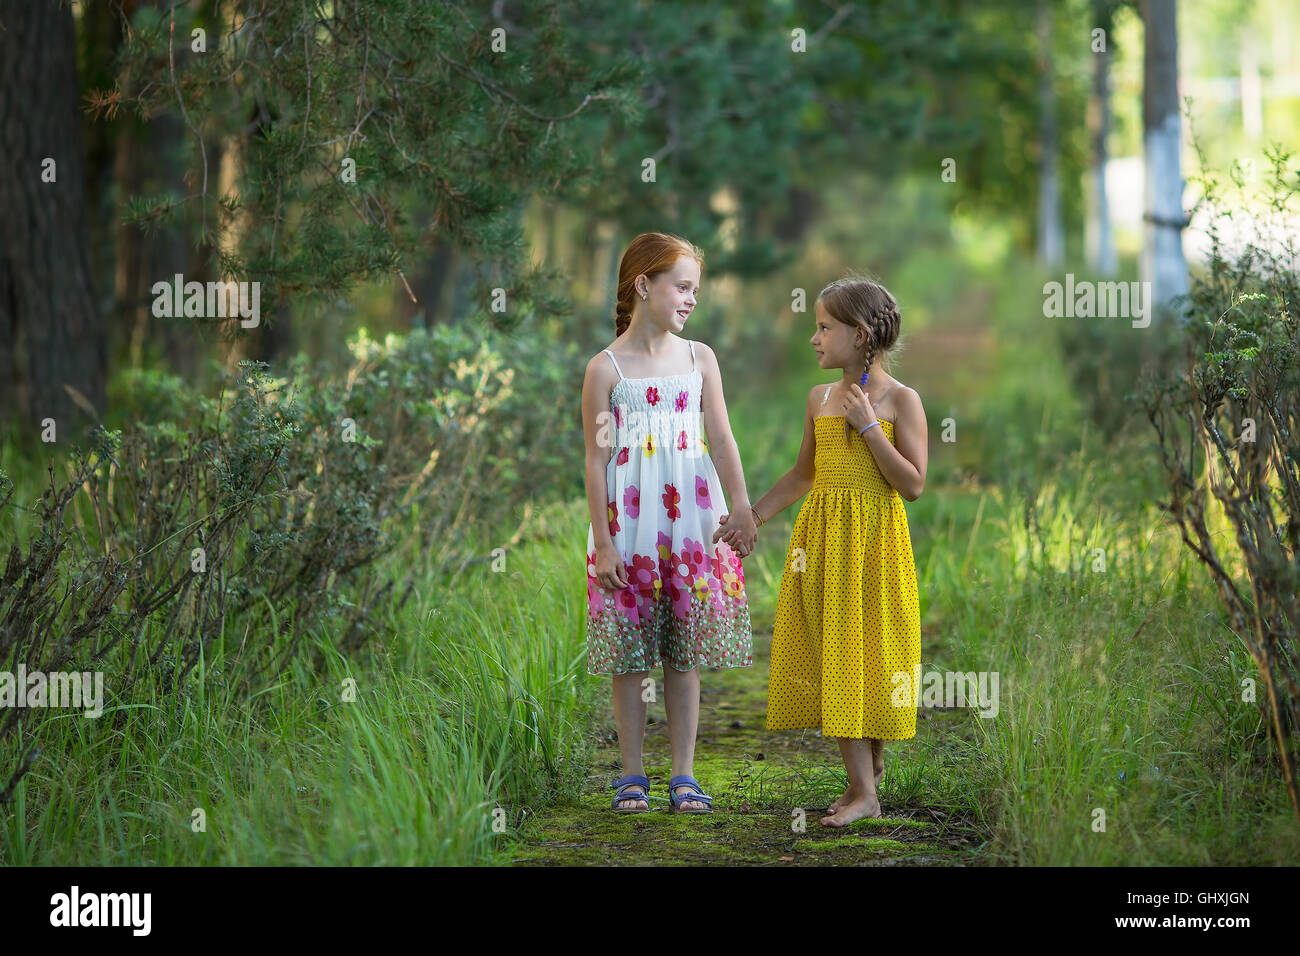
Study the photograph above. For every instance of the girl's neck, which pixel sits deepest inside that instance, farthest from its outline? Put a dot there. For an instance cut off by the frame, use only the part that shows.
(853, 375)
(655, 344)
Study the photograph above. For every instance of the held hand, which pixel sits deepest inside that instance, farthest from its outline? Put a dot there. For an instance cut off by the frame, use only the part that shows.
(739, 534)
(857, 408)
(721, 530)
(747, 529)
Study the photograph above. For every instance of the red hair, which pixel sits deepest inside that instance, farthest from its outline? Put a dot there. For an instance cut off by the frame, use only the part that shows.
(649, 254)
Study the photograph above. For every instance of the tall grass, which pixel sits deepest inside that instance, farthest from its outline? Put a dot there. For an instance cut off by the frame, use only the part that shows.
(475, 710)
(1121, 736)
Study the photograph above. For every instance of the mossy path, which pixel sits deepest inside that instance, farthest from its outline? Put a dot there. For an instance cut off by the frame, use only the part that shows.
(770, 789)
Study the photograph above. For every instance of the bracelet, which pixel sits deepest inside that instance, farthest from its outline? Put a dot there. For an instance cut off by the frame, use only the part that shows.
(758, 516)
(863, 429)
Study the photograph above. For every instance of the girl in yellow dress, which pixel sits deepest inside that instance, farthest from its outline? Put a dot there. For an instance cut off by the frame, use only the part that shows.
(846, 644)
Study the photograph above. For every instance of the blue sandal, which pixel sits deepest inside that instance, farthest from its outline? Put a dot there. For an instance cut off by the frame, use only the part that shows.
(622, 784)
(679, 798)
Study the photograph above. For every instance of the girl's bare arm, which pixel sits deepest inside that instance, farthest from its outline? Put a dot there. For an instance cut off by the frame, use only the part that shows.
(903, 467)
(598, 431)
(722, 444)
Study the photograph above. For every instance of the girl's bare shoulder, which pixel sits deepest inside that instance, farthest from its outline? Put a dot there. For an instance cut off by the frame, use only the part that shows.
(600, 371)
(820, 391)
(906, 392)
(703, 352)
(907, 401)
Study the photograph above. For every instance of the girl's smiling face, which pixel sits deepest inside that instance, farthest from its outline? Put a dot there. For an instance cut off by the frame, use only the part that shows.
(672, 294)
(834, 342)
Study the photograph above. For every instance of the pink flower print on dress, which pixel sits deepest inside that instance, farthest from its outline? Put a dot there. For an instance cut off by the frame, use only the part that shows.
(702, 499)
(671, 500)
(666, 559)
(709, 588)
(652, 395)
(696, 561)
(681, 441)
(665, 547)
(625, 598)
(683, 400)
(695, 569)
(678, 587)
(595, 593)
(632, 501)
(612, 511)
(644, 578)
(733, 584)
(622, 457)
(733, 559)
(618, 418)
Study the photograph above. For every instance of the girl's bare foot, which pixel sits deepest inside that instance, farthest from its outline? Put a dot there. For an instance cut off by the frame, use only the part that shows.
(635, 798)
(857, 810)
(845, 799)
(689, 804)
(877, 765)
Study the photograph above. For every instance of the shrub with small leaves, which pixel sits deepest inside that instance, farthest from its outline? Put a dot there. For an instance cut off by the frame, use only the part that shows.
(1228, 422)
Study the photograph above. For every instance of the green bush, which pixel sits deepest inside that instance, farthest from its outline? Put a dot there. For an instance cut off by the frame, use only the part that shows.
(242, 523)
(1229, 424)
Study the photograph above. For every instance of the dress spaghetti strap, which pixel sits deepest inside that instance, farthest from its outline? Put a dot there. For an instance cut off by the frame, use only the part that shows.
(692, 341)
(615, 361)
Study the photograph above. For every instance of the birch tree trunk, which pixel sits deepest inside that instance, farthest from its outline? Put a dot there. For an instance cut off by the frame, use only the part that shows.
(1100, 239)
(1163, 263)
(1051, 229)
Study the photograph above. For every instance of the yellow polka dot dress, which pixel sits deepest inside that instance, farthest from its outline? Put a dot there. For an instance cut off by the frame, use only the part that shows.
(846, 644)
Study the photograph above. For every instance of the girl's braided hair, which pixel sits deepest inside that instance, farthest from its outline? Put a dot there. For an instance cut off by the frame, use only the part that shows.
(651, 254)
(867, 305)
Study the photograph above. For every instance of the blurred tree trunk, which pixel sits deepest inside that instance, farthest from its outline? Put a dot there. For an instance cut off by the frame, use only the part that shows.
(1163, 264)
(445, 310)
(147, 162)
(428, 282)
(1100, 239)
(604, 266)
(99, 36)
(50, 333)
(1051, 226)
(1252, 100)
(273, 337)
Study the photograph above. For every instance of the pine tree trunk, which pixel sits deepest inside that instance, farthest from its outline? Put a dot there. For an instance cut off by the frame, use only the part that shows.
(50, 332)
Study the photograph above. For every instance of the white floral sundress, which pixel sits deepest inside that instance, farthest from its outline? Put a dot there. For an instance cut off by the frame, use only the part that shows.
(685, 604)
